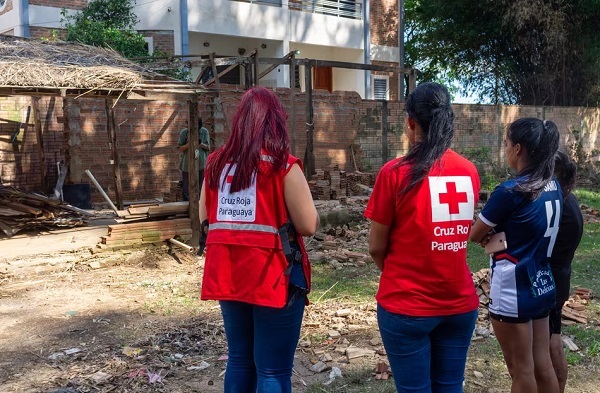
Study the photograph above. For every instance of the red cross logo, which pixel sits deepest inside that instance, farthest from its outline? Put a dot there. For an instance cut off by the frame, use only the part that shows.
(453, 198)
(229, 179)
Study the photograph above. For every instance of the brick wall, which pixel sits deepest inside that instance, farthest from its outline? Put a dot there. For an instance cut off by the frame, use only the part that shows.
(69, 4)
(46, 32)
(8, 7)
(148, 132)
(163, 40)
(384, 22)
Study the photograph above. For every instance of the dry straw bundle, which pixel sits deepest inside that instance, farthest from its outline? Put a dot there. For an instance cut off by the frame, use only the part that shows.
(56, 64)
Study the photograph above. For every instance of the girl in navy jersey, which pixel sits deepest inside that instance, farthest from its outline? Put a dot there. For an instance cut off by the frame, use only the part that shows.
(528, 210)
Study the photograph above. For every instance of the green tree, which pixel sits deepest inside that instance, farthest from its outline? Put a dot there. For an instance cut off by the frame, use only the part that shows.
(111, 23)
(106, 23)
(512, 51)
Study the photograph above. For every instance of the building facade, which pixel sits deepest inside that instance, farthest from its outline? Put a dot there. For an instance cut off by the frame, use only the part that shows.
(354, 31)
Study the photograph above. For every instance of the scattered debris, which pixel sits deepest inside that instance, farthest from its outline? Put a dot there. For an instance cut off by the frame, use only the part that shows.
(25, 211)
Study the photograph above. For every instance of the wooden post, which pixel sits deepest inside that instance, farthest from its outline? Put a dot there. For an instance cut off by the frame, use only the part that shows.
(37, 125)
(293, 102)
(384, 132)
(255, 67)
(211, 57)
(194, 178)
(248, 75)
(309, 155)
(112, 141)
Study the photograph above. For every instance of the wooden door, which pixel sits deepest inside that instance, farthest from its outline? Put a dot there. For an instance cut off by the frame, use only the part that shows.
(323, 78)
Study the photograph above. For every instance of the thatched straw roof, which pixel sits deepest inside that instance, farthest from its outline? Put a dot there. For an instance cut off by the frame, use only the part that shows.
(28, 63)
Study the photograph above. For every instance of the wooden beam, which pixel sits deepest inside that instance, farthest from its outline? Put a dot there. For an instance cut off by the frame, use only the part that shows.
(193, 167)
(225, 71)
(255, 67)
(293, 103)
(213, 65)
(116, 161)
(37, 125)
(309, 155)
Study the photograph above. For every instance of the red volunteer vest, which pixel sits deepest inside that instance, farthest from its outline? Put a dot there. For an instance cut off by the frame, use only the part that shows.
(244, 257)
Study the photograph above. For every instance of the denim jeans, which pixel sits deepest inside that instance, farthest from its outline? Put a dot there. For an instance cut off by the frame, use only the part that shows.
(262, 342)
(427, 354)
(185, 184)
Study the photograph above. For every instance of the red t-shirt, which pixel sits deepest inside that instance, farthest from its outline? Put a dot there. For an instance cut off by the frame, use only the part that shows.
(425, 272)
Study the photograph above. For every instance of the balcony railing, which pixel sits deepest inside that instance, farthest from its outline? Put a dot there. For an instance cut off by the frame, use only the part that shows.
(276, 3)
(342, 8)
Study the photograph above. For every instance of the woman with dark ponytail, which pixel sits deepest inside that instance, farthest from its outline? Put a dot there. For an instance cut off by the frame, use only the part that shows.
(528, 210)
(567, 241)
(421, 212)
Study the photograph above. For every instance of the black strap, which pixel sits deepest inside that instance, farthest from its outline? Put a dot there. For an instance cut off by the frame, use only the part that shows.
(291, 255)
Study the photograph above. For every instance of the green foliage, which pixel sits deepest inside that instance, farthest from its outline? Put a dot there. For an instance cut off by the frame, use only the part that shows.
(111, 24)
(508, 51)
(106, 23)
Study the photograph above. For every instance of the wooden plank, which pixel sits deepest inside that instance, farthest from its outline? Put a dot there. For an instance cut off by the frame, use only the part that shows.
(21, 207)
(112, 137)
(37, 125)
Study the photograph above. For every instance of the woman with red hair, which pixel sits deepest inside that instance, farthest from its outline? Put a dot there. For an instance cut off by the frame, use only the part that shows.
(257, 206)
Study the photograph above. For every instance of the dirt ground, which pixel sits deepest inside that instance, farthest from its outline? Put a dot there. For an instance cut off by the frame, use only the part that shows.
(131, 321)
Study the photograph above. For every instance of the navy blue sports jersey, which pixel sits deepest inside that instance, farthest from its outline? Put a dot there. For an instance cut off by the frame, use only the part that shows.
(522, 285)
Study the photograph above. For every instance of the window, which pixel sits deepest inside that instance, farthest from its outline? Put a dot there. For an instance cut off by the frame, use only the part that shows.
(3, 4)
(380, 87)
(149, 44)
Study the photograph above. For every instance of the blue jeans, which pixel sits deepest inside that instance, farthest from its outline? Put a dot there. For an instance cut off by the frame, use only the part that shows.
(262, 342)
(427, 354)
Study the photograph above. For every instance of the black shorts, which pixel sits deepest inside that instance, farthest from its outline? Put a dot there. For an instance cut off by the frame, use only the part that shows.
(555, 318)
(503, 318)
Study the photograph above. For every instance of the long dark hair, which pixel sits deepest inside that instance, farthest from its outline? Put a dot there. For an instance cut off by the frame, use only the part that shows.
(565, 172)
(259, 123)
(428, 105)
(540, 139)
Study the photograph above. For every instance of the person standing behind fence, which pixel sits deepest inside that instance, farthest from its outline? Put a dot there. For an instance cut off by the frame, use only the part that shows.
(567, 241)
(522, 289)
(201, 155)
(421, 211)
(256, 264)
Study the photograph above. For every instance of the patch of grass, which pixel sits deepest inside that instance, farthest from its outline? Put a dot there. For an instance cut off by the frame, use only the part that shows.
(588, 198)
(354, 283)
(355, 381)
(585, 263)
(477, 259)
(587, 338)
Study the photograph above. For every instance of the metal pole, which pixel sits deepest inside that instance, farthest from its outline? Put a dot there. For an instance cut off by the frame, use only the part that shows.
(401, 50)
(106, 198)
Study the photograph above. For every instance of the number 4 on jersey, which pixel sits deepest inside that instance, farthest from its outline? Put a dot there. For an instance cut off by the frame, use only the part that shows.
(552, 225)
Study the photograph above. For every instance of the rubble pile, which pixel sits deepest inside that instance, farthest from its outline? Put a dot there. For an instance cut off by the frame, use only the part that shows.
(24, 211)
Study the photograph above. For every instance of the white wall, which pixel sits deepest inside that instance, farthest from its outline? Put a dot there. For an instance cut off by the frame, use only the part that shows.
(11, 19)
(235, 18)
(319, 29)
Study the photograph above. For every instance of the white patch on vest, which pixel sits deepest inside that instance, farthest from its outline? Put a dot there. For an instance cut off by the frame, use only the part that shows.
(452, 198)
(236, 206)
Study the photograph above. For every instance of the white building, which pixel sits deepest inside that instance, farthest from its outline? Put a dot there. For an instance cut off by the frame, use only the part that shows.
(319, 29)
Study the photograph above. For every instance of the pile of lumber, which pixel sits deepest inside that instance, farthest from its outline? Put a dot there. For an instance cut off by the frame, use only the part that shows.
(332, 183)
(127, 235)
(153, 210)
(26, 211)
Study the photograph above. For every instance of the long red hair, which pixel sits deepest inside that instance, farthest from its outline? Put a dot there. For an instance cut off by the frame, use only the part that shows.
(259, 124)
